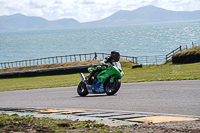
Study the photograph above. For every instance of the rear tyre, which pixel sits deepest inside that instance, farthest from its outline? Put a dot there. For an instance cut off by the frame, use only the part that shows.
(112, 88)
(81, 89)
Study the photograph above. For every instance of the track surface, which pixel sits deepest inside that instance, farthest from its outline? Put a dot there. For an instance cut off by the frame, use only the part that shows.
(171, 97)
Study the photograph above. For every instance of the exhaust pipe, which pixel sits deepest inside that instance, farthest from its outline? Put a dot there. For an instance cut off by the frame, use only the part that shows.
(82, 77)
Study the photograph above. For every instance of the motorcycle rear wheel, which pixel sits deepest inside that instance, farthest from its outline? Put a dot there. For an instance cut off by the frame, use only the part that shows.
(112, 88)
(81, 89)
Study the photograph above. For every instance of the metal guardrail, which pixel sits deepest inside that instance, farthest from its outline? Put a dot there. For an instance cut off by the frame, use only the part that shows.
(60, 59)
(151, 60)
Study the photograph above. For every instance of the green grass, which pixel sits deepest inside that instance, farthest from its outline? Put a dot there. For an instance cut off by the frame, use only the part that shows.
(18, 123)
(39, 82)
(162, 72)
(147, 73)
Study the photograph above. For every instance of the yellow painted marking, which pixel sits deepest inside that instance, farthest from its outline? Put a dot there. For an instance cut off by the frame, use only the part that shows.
(60, 111)
(158, 119)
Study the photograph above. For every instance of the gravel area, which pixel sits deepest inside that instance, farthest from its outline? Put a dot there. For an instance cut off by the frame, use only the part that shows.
(168, 127)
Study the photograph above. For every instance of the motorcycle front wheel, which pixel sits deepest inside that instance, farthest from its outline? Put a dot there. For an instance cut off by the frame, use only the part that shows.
(81, 89)
(112, 88)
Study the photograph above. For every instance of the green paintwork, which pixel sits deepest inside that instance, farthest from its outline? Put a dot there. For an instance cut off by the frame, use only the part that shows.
(104, 75)
(90, 69)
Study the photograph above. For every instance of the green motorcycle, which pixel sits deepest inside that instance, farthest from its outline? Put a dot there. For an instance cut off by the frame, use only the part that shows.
(105, 80)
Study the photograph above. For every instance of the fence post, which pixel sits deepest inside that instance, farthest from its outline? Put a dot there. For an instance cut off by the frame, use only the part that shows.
(75, 57)
(136, 60)
(48, 60)
(70, 58)
(66, 58)
(57, 59)
(53, 60)
(80, 56)
(180, 48)
(61, 59)
(8, 65)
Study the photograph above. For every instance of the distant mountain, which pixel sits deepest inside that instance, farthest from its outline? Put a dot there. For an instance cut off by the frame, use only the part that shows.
(19, 21)
(143, 15)
(22, 22)
(147, 14)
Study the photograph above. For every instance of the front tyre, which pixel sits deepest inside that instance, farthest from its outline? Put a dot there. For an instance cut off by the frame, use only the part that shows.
(112, 88)
(81, 89)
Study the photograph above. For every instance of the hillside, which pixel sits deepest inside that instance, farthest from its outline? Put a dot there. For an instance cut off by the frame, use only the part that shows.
(191, 55)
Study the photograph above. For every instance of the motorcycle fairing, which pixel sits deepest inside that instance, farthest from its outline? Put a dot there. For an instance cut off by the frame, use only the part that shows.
(104, 75)
(96, 89)
(90, 69)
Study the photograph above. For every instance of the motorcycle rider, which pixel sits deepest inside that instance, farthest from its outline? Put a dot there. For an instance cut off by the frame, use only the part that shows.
(114, 57)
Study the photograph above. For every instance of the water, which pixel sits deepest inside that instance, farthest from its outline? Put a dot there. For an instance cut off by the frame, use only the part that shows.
(135, 40)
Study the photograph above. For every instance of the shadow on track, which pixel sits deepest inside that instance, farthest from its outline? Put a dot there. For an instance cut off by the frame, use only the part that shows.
(94, 96)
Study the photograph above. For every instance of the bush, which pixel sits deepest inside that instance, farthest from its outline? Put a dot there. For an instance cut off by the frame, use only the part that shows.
(189, 56)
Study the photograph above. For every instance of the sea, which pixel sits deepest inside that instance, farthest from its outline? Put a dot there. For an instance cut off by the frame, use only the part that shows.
(132, 40)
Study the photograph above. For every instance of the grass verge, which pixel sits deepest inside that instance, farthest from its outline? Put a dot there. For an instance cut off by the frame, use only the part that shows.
(16, 123)
(147, 73)
(164, 72)
(47, 66)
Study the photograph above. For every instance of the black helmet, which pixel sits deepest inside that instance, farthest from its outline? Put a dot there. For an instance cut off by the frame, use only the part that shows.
(115, 56)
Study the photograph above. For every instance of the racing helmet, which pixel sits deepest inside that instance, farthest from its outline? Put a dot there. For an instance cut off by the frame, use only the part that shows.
(115, 56)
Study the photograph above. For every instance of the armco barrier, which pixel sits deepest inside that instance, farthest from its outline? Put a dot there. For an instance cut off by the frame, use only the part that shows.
(47, 72)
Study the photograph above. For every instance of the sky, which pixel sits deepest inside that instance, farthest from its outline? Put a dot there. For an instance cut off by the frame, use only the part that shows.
(87, 10)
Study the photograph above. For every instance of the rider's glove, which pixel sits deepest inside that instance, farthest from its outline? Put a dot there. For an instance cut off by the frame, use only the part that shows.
(102, 63)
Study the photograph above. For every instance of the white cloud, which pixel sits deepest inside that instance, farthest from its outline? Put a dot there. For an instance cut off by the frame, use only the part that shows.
(87, 10)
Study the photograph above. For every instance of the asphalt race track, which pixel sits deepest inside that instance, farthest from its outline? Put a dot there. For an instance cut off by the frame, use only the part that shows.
(171, 97)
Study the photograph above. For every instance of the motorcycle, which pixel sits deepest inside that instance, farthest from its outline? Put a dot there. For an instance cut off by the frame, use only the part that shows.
(105, 80)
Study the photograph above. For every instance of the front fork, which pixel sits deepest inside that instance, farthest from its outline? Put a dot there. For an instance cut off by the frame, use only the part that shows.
(82, 77)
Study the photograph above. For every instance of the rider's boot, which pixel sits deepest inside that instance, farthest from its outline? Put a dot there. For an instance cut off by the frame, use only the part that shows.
(90, 76)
